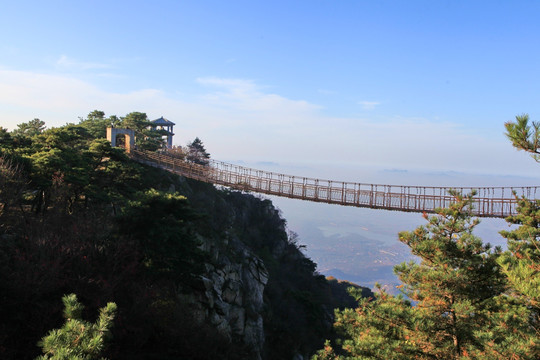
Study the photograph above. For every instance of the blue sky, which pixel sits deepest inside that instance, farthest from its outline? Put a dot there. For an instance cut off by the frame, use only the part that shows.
(401, 84)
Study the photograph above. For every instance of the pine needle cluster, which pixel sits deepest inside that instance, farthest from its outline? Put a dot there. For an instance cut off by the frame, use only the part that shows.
(78, 339)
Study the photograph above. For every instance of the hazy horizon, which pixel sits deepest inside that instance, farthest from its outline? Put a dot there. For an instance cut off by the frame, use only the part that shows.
(360, 244)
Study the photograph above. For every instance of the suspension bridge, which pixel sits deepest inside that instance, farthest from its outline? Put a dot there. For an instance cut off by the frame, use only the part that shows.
(497, 202)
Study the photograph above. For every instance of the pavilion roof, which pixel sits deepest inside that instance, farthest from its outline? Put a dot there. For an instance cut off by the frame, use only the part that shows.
(163, 121)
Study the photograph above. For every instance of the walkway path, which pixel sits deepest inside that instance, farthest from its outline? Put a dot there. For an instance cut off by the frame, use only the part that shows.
(490, 201)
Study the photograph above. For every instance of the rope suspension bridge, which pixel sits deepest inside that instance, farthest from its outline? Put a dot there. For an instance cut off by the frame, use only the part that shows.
(498, 202)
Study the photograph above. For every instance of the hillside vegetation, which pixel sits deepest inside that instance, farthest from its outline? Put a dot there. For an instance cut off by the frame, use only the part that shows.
(194, 272)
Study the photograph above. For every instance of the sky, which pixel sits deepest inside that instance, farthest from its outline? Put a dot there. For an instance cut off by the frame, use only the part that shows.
(414, 85)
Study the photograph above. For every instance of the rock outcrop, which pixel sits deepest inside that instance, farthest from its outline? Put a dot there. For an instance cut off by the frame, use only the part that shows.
(229, 295)
(258, 290)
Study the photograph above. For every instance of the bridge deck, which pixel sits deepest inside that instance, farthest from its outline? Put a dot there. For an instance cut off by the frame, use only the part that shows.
(489, 202)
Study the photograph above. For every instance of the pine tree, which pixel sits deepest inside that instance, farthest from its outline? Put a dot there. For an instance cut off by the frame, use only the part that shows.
(525, 136)
(522, 261)
(30, 128)
(454, 285)
(78, 339)
(377, 329)
(197, 153)
(453, 288)
(521, 265)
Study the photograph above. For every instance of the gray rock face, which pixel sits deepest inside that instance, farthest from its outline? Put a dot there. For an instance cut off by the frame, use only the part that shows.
(230, 295)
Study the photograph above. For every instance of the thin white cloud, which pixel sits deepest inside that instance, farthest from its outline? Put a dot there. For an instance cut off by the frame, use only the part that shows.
(369, 105)
(65, 62)
(246, 95)
(238, 119)
(43, 91)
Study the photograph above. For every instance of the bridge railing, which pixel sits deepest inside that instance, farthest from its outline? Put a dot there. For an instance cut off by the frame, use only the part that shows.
(489, 201)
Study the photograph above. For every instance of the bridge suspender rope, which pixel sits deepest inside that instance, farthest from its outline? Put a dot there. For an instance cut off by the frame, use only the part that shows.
(489, 201)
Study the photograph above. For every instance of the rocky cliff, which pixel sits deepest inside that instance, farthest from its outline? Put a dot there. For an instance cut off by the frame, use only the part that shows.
(258, 289)
(229, 296)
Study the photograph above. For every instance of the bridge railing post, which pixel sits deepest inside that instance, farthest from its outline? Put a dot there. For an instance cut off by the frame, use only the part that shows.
(424, 200)
(329, 190)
